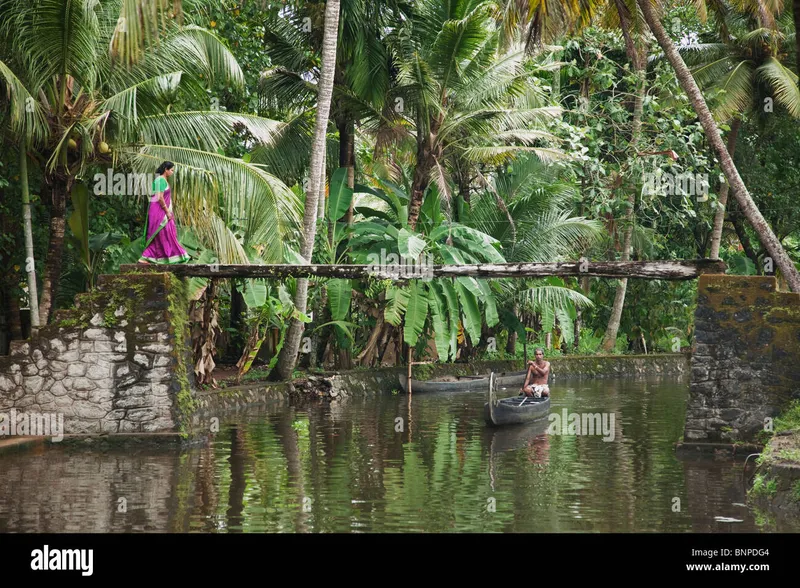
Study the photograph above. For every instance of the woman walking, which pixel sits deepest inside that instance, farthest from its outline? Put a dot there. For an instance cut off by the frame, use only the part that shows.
(161, 236)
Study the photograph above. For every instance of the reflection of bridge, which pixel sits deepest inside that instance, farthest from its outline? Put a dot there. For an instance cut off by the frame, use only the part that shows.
(653, 270)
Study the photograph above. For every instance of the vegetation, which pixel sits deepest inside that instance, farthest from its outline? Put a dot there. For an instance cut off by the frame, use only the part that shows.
(399, 132)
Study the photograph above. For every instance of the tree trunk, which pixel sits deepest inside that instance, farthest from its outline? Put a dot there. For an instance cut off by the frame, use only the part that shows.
(347, 157)
(55, 250)
(426, 159)
(741, 234)
(238, 309)
(638, 58)
(422, 172)
(288, 357)
(29, 258)
(748, 207)
(649, 270)
(719, 216)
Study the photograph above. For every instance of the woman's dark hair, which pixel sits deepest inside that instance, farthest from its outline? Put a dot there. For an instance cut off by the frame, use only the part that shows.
(164, 167)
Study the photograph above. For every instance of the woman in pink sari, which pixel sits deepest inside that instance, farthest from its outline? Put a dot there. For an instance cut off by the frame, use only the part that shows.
(161, 236)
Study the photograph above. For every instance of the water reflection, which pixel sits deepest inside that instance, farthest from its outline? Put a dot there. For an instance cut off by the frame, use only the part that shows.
(357, 466)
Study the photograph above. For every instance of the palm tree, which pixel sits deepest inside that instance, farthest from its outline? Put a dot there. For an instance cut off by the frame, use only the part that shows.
(739, 74)
(544, 19)
(288, 357)
(468, 102)
(81, 110)
(527, 207)
(746, 204)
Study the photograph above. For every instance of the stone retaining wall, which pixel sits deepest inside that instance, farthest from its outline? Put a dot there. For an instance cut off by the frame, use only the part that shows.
(746, 364)
(112, 364)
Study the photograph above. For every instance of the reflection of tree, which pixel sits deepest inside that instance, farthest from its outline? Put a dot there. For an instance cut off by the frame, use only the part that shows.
(238, 482)
(288, 438)
(207, 488)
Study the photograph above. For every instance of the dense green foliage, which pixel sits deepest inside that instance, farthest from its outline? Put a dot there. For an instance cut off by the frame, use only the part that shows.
(460, 132)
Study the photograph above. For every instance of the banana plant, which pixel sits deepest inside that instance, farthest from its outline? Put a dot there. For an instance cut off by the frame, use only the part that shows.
(334, 250)
(441, 306)
(269, 307)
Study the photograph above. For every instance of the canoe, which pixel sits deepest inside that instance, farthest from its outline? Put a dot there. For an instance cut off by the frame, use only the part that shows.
(514, 410)
(463, 383)
(452, 384)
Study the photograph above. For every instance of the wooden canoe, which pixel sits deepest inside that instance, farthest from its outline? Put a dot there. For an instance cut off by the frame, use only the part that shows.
(463, 383)
(514, 410)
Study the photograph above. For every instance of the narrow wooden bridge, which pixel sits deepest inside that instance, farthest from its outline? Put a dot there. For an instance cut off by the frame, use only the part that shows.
(652, 270)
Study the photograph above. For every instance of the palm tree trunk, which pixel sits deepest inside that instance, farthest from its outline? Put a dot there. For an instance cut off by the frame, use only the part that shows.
(748, 207)
(422, 172)
(347, 156)
(426, 158)
(719, 217)
(638, 58)
(741, 234)
(29, 258)
(288, 357)
(55, 250)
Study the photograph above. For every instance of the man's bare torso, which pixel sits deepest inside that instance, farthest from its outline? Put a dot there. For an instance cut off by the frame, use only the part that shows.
(537, 377)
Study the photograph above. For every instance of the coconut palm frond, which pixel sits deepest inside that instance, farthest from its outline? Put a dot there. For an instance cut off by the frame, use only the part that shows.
(783, 81)
(149, 96)
(735, 91)
(140, 23)
(553, 297)
(27, 115)
(282, 88)
(504, 152)
(207, 130)
(554, 235)
(57, 38)
(204, 179)
(204, 53)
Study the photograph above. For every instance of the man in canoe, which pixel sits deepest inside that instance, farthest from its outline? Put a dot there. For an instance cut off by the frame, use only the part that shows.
(536, 379)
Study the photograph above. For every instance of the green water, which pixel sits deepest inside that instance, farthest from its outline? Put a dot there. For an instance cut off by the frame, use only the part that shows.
(380, 464)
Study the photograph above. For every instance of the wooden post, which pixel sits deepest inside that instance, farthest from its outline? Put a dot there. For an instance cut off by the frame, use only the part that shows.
(410, 361)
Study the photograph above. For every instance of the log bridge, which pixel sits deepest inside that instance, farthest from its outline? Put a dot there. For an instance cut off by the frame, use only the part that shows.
(650, 270)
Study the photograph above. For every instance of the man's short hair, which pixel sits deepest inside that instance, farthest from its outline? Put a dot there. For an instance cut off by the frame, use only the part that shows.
(538, 349)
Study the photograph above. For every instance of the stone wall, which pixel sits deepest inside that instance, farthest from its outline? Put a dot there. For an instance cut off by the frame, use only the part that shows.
(112, 364)
(746, 363)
